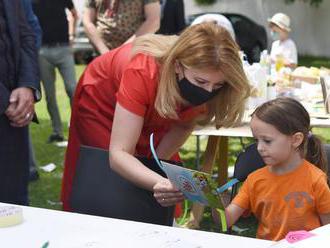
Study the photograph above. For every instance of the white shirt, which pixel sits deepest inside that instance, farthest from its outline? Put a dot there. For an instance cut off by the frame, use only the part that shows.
(285, 48)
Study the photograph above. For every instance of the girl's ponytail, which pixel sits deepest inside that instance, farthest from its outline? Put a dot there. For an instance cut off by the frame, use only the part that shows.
(315, 153)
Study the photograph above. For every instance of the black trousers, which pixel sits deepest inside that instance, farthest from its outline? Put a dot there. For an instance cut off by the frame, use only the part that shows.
(14, 167)
(98, 190)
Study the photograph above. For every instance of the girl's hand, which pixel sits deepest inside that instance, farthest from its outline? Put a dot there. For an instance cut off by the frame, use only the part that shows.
(233, 212)
(167, 194)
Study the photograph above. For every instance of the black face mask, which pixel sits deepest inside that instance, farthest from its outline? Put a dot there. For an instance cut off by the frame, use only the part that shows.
(193, 94)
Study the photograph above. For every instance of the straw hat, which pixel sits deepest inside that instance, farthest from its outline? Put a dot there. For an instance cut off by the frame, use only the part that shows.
(281, 20)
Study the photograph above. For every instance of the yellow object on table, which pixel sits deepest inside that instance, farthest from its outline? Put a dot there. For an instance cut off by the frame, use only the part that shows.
(10, 216)
(279, 63)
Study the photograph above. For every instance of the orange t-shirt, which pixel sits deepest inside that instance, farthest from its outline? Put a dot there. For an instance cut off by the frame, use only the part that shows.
(284, 203)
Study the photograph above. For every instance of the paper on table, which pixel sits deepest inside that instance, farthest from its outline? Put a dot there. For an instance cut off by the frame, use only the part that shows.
(295, 236)
(300, 239)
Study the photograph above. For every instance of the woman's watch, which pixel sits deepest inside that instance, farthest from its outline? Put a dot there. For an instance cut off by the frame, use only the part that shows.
(36, 94)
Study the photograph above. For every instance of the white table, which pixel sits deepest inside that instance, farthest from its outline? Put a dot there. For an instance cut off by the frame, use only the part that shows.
(70, 230)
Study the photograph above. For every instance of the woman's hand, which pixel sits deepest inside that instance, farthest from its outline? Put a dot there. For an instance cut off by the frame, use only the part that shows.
(167, 194)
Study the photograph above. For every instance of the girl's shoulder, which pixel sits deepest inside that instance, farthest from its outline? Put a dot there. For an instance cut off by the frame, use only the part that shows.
(313, 170)
(258, 174)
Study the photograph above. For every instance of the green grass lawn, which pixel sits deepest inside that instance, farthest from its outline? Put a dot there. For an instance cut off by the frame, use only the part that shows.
(45, 192)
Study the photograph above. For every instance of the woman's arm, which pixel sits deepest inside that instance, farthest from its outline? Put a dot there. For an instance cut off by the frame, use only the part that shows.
(126, 130)
(168, 146)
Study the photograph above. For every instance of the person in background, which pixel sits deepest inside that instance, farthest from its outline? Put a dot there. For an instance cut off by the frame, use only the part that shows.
(178, 82)
(283, 48)
(219, 19)
(33, 21)
(34, 24)
(56, 52)
(291, 192)
(19, 90)
(172, 17)
(110, 23)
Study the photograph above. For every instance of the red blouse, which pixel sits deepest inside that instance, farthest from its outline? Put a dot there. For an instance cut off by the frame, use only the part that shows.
(109, 79)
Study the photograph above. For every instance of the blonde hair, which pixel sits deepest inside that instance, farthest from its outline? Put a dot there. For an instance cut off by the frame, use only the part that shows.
(202, 46)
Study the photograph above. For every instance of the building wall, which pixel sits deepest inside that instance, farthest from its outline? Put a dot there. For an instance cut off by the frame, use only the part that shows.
(310, 25)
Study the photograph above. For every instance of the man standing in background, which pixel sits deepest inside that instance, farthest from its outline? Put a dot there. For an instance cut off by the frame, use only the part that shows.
(19, 90)
(172, 17)
(56, 52)
(110, 23)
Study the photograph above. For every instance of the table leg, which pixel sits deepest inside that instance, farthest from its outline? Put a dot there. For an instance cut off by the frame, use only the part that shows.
(198, 152)
(222, 160)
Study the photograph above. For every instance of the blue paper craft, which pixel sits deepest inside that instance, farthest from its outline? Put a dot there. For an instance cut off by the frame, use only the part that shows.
(196, 186)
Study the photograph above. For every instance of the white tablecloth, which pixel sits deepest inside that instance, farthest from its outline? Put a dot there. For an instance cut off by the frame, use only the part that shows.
(69, 230)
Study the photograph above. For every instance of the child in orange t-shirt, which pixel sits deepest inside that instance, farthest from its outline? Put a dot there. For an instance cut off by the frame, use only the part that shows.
(289, 193)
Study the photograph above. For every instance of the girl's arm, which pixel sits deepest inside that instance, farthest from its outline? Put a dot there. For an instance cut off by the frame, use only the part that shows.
(233, 212)
(126, 130)
(325, 219)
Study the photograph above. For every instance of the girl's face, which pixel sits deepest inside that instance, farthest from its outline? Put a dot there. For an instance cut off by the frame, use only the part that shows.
(275, 148)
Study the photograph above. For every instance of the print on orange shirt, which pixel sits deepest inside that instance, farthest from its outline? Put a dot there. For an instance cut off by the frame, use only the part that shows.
(298, 198)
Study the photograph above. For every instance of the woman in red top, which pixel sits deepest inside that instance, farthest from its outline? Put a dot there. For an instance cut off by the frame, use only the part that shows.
(162, 85)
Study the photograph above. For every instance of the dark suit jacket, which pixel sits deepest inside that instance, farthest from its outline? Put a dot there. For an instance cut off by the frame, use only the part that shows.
(173, 19)
(14, 155)
(24, 49)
